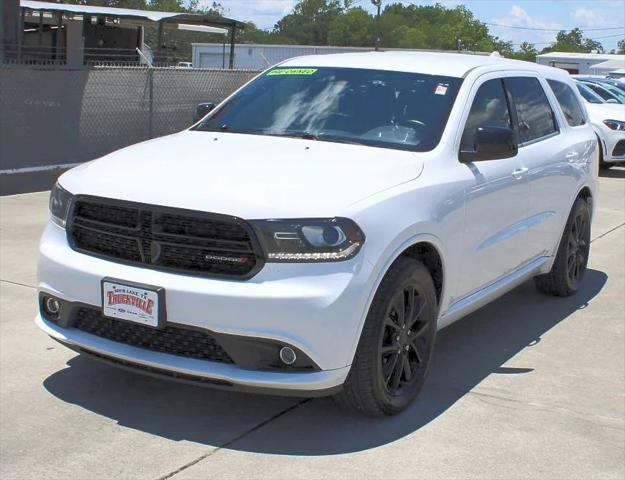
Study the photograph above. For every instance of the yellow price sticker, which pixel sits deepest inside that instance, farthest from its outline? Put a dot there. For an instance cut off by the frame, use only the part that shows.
(292, 71)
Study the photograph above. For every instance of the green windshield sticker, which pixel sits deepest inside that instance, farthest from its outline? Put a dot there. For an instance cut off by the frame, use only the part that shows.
(293, 71)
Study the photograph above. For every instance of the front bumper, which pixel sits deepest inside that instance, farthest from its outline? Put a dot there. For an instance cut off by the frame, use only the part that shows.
(614, 149)
(317, 308)
(194, 371)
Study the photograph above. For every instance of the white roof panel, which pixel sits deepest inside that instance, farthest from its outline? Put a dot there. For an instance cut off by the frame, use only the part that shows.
(435, 63)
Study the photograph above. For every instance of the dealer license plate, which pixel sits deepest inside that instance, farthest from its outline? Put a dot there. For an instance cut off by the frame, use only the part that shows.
(132, 302)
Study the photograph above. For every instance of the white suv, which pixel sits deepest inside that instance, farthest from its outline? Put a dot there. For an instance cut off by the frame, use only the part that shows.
(313, 231)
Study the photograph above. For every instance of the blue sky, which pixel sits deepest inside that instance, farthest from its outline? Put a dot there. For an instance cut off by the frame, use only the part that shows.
(544, 14)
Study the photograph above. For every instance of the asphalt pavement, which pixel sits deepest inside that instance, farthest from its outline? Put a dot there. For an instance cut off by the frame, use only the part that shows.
(527, 387)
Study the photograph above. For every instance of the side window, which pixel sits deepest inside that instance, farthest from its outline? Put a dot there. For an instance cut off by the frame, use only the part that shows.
(535, 119)
(490, 108)
(568, 102)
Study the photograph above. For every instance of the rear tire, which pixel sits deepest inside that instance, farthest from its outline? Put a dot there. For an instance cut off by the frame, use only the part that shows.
(571, 259)
(393, 356)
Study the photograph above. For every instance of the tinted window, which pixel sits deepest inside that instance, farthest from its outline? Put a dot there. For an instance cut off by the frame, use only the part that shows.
(489, 109)
(534, 116)
(398, 110)
(605, 92)
(588, 94)
(568, 102)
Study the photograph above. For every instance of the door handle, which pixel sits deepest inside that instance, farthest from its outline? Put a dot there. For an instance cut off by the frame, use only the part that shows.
(519, 172)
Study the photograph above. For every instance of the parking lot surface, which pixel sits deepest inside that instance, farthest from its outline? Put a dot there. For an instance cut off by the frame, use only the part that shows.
(527, 387)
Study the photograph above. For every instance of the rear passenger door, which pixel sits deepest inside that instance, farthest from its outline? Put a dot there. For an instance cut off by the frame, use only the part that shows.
(547, 154)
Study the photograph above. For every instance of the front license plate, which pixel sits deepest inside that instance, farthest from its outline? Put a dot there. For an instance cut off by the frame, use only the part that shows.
(133, 302)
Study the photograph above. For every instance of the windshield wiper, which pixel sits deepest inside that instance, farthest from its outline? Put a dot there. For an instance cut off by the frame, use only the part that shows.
(323, 137)
(317, 136)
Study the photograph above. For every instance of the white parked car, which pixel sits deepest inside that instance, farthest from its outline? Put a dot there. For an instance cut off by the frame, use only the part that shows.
(608, 120)
(311, 234)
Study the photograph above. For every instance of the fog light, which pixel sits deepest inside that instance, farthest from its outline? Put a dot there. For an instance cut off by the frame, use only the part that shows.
(53, 306)
(287, 355)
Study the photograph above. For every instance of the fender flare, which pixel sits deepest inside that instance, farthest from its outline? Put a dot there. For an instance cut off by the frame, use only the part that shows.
(382, 267)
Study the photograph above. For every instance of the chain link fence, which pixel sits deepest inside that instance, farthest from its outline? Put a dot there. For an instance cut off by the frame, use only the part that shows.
(54, 117)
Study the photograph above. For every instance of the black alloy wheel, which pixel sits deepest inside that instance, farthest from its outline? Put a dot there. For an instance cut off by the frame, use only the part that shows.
(578, 248)
(404, 342)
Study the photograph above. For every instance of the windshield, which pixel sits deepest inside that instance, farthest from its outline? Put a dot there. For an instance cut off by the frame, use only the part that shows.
(614, 91)
(588, 94)
(604, 92)
(398, 110)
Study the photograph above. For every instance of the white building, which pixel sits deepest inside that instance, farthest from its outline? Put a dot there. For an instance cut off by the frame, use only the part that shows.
(259, 56)
(583, 63)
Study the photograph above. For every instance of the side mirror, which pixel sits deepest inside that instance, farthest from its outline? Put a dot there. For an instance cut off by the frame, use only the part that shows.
(611, 100)
(201, 110)
(491, 143)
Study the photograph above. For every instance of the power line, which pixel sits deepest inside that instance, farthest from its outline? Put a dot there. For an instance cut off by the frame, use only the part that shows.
(552, 29)
(549, 43)
(417, 4)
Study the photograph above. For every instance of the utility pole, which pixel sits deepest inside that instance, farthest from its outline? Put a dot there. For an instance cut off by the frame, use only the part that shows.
(378, 4)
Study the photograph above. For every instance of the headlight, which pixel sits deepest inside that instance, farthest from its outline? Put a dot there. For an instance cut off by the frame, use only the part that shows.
(309, 239)
(615, 125)
(60, 201)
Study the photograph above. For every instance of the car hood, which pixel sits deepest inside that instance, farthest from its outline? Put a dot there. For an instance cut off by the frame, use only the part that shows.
(249, 176)
(598, 112)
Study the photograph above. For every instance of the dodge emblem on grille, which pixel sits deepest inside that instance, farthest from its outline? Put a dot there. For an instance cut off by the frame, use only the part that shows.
(220, 258)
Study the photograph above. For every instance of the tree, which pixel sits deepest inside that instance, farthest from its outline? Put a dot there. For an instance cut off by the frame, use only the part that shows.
(309, 22)
(621, 46)
(573, 41)
(434, 27)
(527, 51)
(503, 47)
(253, 34)
(354, 28)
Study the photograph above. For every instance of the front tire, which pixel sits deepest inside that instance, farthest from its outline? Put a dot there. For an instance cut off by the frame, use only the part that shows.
(571, 259)
(393, 356)
(602, 164)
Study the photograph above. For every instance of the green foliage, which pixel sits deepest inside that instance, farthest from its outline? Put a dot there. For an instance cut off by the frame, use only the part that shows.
(621, 46)
(310, 21)
(352, 28)
(573, 41)
(527, 51)
(435, 27)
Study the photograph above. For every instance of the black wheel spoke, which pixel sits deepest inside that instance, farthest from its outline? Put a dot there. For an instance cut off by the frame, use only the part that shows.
(422, 330)
(388, 371)
(409, 303)
(396, 375)
(398, 308)
(417, 313)
(388, 322)
(415, 347)
(407, 369)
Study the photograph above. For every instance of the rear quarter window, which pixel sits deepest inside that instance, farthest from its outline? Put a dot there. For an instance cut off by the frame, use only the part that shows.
(568, 102)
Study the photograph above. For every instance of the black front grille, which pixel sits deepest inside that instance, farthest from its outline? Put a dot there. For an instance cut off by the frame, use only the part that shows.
(164, 238)
(619, 149)
(175, 340)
